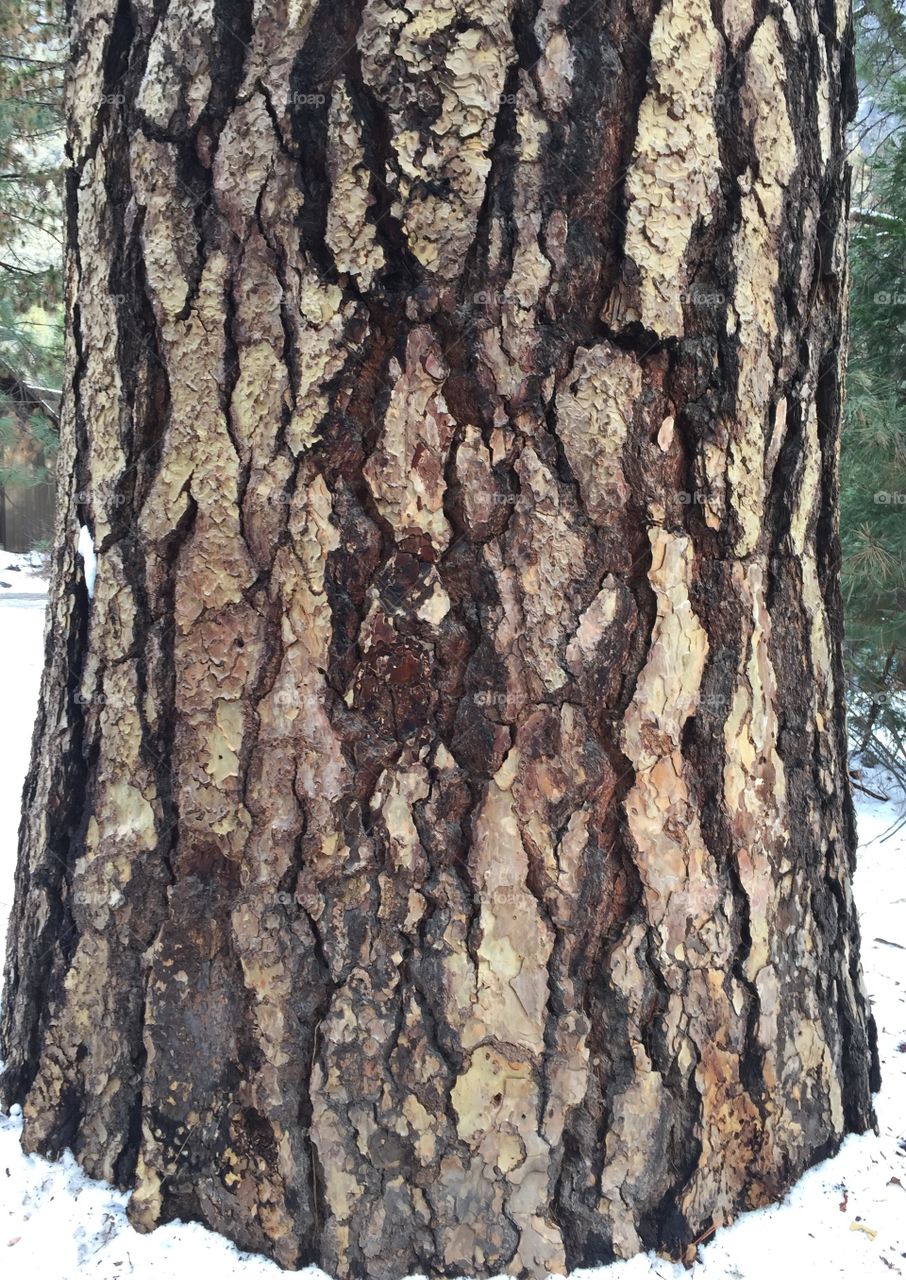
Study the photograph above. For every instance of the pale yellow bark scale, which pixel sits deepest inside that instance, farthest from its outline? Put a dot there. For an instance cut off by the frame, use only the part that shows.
(739, 18)
(689, 911)
(595, 405)
(102, 393)
(535, 592)
(554, 72)
(516, 944)
(802, 540)
(406, 471)
(84, 87)
(322, 355)
(757, 265)
(497, 1100)
(352, 239)
(670, 853)
(469, 70)
(632, 1136)
(755, 798)
(177, 72)
(675, 164)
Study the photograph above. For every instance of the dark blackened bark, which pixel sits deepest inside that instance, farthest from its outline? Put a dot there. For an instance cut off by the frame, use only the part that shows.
(437, 850)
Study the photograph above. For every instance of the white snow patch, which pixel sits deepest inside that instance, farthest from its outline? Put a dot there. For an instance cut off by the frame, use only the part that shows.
(56, 1222)
(22, 575)
(85, 548)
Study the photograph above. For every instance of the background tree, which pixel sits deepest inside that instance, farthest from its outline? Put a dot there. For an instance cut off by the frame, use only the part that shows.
(437, 848)
(32, 58)
(873, 465)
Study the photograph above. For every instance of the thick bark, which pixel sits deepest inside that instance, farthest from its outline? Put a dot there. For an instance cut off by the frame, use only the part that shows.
(437, 850)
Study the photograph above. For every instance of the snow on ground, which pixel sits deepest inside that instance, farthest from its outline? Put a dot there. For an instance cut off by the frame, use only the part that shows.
(22, 575)
(845, 1218)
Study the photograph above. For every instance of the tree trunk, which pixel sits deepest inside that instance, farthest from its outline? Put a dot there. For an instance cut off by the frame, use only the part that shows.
(438, 843)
